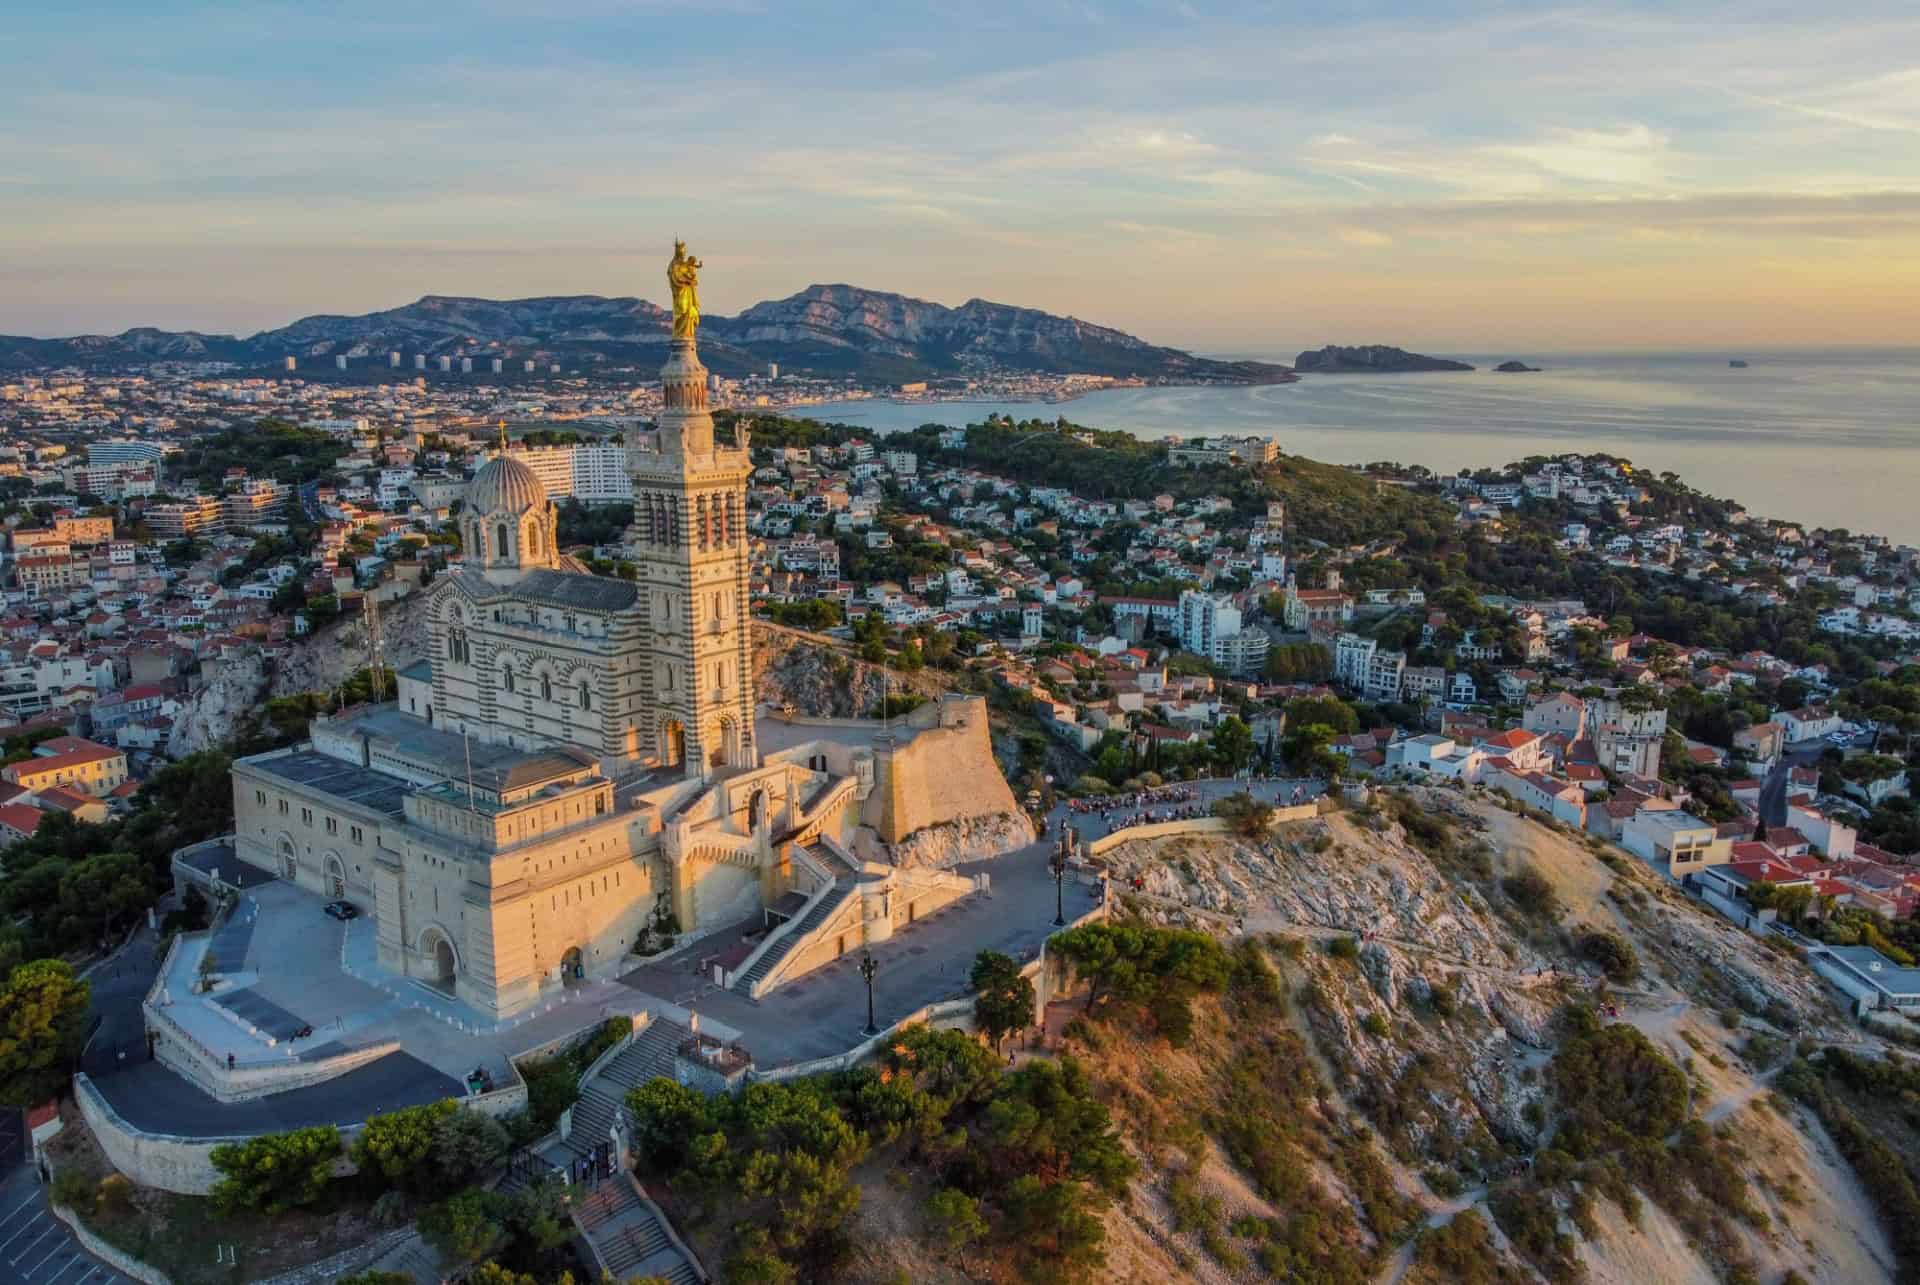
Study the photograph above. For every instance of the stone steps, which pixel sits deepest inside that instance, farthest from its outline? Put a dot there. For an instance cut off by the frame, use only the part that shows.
(628, 1237)
(809, 922)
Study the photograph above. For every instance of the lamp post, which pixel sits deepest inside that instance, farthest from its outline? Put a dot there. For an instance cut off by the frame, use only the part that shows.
(1058, 864)
(867, 969)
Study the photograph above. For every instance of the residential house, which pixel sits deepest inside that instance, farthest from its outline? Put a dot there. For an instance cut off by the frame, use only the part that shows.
(1676, 842)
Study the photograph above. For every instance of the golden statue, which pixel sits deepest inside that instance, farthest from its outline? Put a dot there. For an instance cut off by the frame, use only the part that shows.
(683, 280)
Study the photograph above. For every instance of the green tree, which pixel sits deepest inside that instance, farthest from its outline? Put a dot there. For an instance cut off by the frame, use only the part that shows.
(667, 1116)
(1002, 998)
(467, 1147)
(277, 1171)
(1328, 710)
(397, 1147)
(43, 1020)
(955, 1217)
(467, 1226)
(758, 1267)
(1231, 745)
(1054, 1236)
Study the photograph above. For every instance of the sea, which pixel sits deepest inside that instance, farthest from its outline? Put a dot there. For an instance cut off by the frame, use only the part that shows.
(1828, 438)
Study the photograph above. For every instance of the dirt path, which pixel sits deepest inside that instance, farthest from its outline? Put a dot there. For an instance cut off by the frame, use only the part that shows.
(1402, 1261)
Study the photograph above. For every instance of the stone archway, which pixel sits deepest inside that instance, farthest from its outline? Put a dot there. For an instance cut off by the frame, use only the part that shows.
(673, 743)
(336, 876)
(756, 811)
(288, 864)
(443, 961)
(573, 967)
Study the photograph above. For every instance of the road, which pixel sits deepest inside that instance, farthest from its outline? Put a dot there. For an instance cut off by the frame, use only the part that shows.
(119, 985)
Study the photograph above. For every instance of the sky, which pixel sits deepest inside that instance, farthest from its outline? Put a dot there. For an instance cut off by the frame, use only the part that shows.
(1237, 177)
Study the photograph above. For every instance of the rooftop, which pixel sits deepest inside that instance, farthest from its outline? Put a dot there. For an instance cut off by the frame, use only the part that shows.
(317, 771)
(1875, 969)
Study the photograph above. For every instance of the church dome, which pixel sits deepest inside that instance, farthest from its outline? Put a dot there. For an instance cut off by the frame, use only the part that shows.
(505, 485)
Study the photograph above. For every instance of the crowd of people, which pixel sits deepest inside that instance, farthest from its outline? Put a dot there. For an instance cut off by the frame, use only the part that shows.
(1167, 803)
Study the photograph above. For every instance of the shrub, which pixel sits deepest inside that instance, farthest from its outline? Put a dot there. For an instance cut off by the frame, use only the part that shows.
(1613, 1087)
(1532, 893)
(73, 1190)
(1375, 1024)
(955, 1217)
(1461, 1252)
(1344, 948)
(276, 1172)
(1612, 953)
(115, 1195)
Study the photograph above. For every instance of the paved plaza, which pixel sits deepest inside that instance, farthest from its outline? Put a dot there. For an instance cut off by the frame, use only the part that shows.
(285, 964)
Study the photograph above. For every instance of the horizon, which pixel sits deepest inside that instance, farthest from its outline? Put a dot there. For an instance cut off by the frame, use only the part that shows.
(1441, 173)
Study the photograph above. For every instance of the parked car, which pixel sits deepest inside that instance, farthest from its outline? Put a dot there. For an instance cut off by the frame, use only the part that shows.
(343, 910)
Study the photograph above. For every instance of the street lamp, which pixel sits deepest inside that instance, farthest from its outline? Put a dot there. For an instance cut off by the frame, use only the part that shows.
(867, 969)
(1058, 864)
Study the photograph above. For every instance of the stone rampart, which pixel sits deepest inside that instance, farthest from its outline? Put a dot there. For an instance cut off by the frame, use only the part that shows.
(171, 1163)
(937, 770)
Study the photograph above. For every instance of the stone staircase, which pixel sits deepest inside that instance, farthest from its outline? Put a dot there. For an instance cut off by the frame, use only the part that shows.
(823, 911)
(627, 1235)
(602, 1097)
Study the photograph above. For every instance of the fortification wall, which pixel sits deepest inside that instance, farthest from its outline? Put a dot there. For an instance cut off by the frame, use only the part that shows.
(184, 1165)
(940, 774)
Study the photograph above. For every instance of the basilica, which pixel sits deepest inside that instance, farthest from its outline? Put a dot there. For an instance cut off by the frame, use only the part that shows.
(579, 758)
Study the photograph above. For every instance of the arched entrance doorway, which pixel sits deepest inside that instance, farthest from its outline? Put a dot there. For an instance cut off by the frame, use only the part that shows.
(443, 964)
(756, 811)
(336, 877)
(573, 971)
(673, 743)
(289, 866)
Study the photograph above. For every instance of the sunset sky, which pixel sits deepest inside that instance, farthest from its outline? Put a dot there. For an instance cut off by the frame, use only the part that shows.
(1245, 178)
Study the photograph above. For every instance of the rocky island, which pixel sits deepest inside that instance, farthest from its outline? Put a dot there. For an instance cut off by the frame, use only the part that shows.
(1515, 368)
(1370, 359)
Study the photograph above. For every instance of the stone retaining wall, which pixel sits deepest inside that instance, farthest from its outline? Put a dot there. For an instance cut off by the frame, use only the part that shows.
(1198, 825)
(122, 1262)
(183, 1165)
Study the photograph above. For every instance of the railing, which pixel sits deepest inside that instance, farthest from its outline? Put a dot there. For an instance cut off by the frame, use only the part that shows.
(787, 961)
(823, 887)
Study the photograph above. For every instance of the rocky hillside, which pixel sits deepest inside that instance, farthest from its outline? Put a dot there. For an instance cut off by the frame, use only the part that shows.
(334, 654)
(1440, 952)
(824, 328)
(820, 678)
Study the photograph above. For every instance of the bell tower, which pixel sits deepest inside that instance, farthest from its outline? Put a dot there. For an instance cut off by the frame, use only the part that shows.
(689, 531)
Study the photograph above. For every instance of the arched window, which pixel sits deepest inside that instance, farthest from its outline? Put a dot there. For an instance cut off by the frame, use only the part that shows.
(586, 697)
(500, 538)
(533, 540)
(546, 688)
(716, 608)
(508, 679)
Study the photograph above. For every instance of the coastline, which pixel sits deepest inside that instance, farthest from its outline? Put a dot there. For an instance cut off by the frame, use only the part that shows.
(1828, 439)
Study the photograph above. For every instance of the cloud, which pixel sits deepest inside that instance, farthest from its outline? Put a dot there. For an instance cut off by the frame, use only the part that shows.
(1362, 237)
(1632, 154)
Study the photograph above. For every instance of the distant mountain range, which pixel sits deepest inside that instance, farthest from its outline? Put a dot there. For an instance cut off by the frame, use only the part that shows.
(826, 329)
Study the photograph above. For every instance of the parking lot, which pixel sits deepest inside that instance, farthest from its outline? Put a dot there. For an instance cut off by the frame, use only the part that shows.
(35, 1247)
